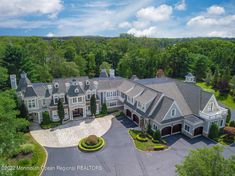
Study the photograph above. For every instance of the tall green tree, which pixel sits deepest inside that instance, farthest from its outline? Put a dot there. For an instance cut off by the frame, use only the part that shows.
(216, 78)
(209, 78)
(10, 139)
(60, 110)
(13, 56)
(223, 83)
(213, 131)
(201, 67)
(93, 105)
(106, 66)
(3, 77)
(206, 162)
(81, 63)
(23, 111)
(91, 65)
(70, 53)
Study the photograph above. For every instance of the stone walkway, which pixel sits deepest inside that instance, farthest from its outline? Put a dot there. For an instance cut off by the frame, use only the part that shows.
(69, 134)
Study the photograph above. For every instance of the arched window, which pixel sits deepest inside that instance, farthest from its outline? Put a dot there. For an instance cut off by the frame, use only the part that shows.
(211, 107)
(173, 112)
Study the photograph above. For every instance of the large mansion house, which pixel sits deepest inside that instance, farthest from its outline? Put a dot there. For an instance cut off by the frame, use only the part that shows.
(172, 106)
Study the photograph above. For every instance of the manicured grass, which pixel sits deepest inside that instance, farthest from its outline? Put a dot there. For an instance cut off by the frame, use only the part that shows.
(226, 100)
(147, 145)
(35, 160)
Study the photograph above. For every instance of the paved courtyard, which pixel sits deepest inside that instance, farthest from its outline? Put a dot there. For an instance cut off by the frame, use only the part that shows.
(120, 158)
(69, 134)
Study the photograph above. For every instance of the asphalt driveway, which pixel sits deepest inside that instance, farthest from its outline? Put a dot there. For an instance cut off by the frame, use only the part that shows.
(120, 158)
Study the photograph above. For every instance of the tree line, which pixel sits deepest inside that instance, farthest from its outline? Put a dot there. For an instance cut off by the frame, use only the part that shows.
(45, 59)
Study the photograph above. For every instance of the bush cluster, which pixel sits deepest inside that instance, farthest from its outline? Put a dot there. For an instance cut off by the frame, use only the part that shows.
(91, 148)
(26, 148)
(142, 137)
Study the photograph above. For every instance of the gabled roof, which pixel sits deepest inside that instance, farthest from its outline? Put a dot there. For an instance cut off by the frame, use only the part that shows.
(73, 93)
(30, 92)
(108, 83)
(162, 109)
(135, 91)
(134, 78)
(205, 97)
(125, 86)
(171, 90)
(146, 96)
(23, 84)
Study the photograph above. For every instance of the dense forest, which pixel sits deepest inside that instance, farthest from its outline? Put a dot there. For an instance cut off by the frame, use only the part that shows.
(210, 59)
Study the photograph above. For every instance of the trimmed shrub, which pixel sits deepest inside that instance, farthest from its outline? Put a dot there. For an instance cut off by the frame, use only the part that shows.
(157, 135)
(232, 124)
(91, 140)
(104, 109)
(155, 141)
(91, 148)
(27, 148)
(159, 147)
(149, 129)
(46, 118)
(214, 131)
(141, 137)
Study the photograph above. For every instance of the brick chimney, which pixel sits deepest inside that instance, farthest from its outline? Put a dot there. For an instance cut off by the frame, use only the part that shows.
(160, 73)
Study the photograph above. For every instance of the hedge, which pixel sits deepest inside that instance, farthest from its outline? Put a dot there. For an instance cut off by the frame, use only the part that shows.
(141, 139)
(155, 141)
(159, 147)
(86, 148)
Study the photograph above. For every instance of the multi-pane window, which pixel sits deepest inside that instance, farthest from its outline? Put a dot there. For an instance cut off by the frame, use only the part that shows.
(79, 99)
(221, 122)
(112, 104)
(75, 100)
(186, 128)
(31, 103)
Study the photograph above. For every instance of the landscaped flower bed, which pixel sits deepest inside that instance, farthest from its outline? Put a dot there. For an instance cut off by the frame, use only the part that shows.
(146, 142)
(91, 143)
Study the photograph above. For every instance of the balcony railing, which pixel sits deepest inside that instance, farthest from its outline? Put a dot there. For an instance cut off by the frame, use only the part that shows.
(214, 115)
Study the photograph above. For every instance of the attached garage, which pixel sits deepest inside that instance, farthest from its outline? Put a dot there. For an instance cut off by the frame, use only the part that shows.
(136, 119)
(198, 131)
(128, 113)
(166, 131)
(177, 128)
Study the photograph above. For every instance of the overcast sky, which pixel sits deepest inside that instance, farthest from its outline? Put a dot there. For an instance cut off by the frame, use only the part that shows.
(150, 18)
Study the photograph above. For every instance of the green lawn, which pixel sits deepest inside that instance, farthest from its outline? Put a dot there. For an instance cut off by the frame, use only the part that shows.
(36, 160)
(226, 100)
(145, 146)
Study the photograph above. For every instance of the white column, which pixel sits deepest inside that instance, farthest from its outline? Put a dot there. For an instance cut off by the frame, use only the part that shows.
(71, 114)
(84, 112)
(39, 117)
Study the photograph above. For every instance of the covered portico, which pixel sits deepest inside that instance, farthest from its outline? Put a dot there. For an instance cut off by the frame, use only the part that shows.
(77, 112)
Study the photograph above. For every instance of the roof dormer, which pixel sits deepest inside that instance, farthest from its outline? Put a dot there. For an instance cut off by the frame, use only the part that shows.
(87, 82)
(56, 85)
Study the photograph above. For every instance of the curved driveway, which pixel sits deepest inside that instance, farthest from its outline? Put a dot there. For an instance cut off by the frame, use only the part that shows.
(69, 134)
(120, 158)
